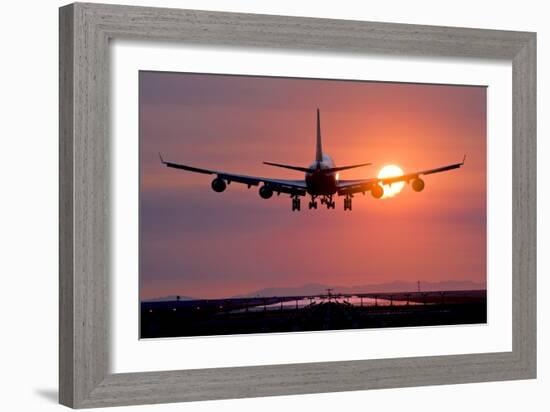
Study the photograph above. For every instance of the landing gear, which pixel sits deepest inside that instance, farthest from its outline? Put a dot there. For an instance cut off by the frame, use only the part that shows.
(327, 200)
(296, 203)
(347, 203)
(313, 203)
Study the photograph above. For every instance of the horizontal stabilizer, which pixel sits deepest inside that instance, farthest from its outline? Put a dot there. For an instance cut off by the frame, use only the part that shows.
(298, 168)
(337, 169)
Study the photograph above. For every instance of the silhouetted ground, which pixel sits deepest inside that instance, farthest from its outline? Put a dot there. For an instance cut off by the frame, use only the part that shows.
(200, 318)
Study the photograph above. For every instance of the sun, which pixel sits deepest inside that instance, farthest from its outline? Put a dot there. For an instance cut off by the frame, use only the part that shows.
(391, 171)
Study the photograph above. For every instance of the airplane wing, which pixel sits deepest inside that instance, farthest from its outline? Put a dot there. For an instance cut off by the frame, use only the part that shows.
(293, 187)
(348, 187)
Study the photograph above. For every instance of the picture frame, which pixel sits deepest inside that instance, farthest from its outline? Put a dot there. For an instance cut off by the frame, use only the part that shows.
(84, 353)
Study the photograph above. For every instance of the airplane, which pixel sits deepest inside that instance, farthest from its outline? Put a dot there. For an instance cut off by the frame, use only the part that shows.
(321, 180)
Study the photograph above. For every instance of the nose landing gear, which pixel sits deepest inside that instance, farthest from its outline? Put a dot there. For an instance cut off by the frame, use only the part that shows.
(313, 203)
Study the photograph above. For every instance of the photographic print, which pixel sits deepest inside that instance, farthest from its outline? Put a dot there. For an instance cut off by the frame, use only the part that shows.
(282, 205)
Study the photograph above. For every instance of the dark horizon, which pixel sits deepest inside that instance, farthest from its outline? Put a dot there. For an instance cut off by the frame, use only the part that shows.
(313, 288)
(329, 311)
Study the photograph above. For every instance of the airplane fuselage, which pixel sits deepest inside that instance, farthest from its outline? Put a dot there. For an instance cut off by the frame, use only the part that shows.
(320, 181)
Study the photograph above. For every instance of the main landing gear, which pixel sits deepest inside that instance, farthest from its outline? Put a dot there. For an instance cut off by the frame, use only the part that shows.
(347, 202)
(295, 203)
(313, 203)
(327, 200)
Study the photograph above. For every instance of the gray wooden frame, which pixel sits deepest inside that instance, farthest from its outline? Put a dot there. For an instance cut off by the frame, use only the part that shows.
(85, 31)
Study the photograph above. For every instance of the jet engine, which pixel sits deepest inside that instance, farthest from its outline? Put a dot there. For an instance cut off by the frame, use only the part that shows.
(265, 192)
(218, 185)
(418, 185)
(377, 191)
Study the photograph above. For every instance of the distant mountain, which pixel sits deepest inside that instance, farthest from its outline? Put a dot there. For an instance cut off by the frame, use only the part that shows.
(398, 286)
(307, 289)
(169, 298)
(318, 288)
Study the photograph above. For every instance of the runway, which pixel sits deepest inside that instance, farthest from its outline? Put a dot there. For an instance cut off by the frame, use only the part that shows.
(311, 313)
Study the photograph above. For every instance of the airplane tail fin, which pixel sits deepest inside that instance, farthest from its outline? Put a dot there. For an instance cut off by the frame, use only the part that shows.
(319, 151)
(318, 156)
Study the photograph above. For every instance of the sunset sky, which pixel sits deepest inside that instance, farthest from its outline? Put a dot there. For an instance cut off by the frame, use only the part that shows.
(195, 242)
